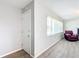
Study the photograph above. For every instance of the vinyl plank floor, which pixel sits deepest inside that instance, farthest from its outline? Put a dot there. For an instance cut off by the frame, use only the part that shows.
(19, 54)
(63, 49)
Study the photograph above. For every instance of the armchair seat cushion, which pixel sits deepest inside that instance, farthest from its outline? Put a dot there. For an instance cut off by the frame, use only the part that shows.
(74, 37)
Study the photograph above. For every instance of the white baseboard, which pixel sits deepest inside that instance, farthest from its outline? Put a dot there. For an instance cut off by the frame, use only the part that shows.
(10, 52)
(37, 55)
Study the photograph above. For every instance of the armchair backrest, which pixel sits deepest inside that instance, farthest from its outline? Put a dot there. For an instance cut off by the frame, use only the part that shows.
(69, 32)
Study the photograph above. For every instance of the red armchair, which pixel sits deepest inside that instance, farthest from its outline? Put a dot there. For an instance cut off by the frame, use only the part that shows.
(70, 36)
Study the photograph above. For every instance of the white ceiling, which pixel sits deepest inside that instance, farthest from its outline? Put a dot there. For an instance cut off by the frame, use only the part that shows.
(16, 3)
(67, 9)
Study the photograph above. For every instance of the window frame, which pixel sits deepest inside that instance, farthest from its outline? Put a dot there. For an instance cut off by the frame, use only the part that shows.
(53, 19)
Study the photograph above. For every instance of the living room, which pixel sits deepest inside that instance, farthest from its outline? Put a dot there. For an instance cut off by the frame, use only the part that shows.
(66, 15)
(68, 46)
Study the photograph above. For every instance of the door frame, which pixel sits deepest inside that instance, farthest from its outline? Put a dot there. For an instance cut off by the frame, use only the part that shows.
(27, 7)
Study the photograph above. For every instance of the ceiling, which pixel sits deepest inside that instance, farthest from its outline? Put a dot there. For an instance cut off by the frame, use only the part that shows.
(15, 3)
(67, 9)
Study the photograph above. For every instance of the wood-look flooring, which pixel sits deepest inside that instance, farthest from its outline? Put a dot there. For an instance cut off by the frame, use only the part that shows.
(63, 49)
(19, 54)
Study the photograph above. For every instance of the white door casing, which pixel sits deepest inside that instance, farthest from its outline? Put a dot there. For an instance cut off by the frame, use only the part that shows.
(27, 31)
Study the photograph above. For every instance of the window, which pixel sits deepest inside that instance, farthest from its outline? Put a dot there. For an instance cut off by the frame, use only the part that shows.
(54, 26)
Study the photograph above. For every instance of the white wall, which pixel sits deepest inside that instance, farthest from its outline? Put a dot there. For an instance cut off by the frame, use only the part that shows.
(72, 25)
(10, 29)
(42, 42)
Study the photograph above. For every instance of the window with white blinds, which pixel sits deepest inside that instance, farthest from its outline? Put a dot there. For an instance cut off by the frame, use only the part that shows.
(54, 26)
